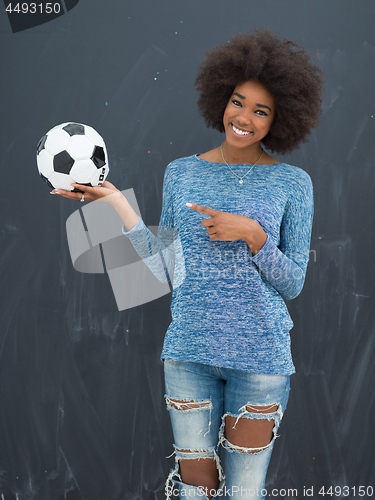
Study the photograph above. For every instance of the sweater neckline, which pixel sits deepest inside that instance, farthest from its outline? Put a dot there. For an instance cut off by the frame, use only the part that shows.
(236, 164)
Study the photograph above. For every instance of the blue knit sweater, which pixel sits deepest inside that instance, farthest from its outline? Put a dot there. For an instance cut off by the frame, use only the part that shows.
(227, 305)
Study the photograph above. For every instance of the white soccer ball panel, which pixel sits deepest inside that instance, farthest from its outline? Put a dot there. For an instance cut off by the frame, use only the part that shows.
(94, 136)
(100, 176)
(45, 163)
(83, 171)
(106, 157)
(80, 147)
(57, 141)
(61, 181)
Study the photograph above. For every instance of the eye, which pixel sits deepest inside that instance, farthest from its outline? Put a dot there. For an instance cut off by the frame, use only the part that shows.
(236, 102)
(261, 112)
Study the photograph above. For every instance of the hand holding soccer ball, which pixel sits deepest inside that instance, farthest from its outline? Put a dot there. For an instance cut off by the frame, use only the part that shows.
(107, 193)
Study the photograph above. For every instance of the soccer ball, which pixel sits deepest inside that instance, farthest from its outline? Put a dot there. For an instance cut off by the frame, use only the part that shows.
(72, 153)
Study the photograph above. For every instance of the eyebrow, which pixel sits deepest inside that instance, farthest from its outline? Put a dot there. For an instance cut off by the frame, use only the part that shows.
(258, 104)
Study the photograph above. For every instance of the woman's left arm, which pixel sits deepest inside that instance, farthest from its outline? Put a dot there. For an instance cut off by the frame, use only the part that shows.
(284, 266)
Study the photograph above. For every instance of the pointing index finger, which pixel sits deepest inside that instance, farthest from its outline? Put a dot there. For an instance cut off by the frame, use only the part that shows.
(200, 208)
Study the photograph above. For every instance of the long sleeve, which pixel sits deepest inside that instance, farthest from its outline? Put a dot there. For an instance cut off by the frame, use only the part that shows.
(284, 266)
(162, 253)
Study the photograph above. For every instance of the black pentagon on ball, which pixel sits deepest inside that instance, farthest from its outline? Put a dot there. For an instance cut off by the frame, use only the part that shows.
(98, 157)
(62, 162)
(46, 180)
(41, 144)
(74, 129)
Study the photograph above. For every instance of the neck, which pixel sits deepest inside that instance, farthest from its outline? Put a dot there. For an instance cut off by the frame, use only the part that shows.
(241, 156)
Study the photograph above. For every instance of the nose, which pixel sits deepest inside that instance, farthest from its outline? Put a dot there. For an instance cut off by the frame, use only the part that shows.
(244, 116)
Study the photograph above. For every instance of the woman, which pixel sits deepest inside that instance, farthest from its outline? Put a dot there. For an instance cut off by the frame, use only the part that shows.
(240, 222)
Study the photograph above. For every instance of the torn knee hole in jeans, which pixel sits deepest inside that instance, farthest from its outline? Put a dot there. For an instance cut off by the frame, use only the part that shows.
(252, 412)
(199, 454)
(187, 404)
(271, 411)
(192, 454)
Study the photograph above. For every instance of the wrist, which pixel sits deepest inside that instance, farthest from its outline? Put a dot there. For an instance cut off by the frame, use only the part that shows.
(255, 237)
(124, 210)
(116, 199)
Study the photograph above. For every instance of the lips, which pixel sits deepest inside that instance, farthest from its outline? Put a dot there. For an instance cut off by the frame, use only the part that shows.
(239, 131)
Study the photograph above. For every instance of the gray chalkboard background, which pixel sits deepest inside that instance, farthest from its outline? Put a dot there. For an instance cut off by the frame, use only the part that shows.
(82, 414)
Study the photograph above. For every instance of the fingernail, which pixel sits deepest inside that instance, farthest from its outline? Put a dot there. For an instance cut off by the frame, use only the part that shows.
(189, 204)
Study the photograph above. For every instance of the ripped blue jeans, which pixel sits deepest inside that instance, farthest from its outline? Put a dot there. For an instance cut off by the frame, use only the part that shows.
(199, 431)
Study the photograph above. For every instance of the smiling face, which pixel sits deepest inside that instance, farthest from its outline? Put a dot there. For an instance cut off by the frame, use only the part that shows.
(248, 116)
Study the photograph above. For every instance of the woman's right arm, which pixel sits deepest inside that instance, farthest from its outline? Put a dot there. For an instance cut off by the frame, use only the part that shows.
(157, 252)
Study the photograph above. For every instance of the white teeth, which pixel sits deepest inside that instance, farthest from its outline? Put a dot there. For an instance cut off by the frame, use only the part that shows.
(239, 132)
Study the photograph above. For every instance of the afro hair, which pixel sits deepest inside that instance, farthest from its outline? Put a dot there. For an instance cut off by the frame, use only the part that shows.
(282, 66)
